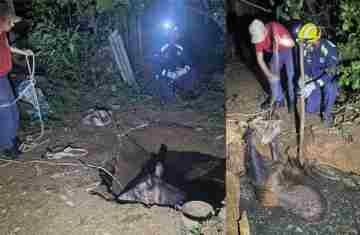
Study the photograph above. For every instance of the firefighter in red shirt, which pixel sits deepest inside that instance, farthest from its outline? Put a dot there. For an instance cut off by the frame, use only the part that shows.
(9, 116)
(275, 40)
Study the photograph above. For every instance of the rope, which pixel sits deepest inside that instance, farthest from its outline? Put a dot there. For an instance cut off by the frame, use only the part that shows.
(5, 105)
(30, 142)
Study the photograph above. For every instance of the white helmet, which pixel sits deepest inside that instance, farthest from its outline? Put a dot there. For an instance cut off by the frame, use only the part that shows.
(257, 30)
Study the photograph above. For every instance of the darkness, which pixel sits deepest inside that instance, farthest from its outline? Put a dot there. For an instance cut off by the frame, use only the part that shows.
(200, 176)
(179, 166)
(238, 28)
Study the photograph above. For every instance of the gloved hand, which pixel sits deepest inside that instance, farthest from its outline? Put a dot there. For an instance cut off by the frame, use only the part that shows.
(183, 71)
(309, 88)
(172, 75)
(306, 78)
(320, 82)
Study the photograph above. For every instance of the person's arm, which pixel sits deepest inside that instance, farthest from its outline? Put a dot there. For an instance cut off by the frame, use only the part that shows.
(263, 66)
(21, 52)
(331, 65)
(284, 40)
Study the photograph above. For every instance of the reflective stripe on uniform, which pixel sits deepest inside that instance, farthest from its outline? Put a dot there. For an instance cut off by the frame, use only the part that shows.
(179, 47)
(164, 47)
(331, 44)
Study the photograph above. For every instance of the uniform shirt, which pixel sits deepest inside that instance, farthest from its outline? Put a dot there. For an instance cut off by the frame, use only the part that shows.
(273, 29)
(5, 55)
(318, 58)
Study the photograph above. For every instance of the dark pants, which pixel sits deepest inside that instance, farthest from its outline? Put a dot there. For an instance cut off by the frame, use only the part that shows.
(167, 88)
(285, 59)
(9, 116)
(186, 83)
(327, 94)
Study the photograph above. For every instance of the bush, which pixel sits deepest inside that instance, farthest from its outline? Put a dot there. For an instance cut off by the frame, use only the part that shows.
(349, 45)
(58, 50)
(340, 22)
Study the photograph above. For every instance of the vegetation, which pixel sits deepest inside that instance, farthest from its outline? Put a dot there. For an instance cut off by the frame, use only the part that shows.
(67, 37)
(349, 43)
(60, 35)
(340, 23)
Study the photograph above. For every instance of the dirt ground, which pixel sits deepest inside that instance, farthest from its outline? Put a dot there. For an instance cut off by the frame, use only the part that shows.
(244, 95)
(41, 197)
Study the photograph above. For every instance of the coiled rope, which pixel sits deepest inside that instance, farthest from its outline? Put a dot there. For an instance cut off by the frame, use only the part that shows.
(31, 142)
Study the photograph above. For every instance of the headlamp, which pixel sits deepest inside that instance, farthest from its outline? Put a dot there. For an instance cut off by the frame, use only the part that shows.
(168, 25)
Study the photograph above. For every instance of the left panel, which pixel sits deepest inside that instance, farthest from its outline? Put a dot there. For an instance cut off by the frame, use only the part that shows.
(112, 117)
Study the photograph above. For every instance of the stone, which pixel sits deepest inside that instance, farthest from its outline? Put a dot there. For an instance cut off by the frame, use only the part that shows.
(197, 210)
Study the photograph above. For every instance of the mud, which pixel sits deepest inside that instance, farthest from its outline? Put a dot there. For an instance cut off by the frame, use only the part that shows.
(243, 96)
(40, 196)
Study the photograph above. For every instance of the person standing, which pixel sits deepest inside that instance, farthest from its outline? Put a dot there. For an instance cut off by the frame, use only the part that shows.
(9, 115)
(275, 40)
(175, 72)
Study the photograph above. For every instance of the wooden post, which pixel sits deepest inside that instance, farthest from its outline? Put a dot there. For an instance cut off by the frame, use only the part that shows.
(234, 167)
(121, 58)
(302, 103)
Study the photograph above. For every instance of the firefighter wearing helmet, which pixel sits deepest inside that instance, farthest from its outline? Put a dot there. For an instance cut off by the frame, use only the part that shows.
(175, 67)
(320, 63)
(275, 40)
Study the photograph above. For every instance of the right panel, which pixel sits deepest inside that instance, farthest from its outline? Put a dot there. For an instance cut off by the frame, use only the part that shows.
(291, 126)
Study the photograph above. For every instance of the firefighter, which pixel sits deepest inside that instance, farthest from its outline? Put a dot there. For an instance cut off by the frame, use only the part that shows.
(175, 68)
(320, 68)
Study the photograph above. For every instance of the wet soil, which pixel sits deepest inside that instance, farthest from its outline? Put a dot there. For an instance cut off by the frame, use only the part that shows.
(243, 97)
